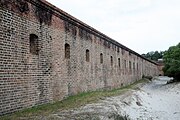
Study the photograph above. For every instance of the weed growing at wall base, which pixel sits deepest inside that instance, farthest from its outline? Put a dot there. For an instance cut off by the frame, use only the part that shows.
(71, 102)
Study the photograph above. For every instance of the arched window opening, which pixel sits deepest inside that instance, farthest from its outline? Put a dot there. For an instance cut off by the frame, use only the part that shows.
(33, 40)
(87, 55)
(101, 58)
(67, 51)
(111, 61)
(119, 62)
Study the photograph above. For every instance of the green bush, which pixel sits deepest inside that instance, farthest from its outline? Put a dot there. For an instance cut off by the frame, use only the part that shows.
(172, 62)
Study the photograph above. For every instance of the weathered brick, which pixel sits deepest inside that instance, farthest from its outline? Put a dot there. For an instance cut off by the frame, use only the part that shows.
(28, 79)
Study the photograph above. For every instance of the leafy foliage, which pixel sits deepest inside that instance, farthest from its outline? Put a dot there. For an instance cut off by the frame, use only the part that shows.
(154, 55)
(172, 62)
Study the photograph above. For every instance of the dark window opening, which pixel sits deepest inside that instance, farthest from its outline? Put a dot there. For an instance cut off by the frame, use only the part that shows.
(111, 61)
(101, 58)
(67, 51)
(118, 49)
(119, 62)
(33, 39)
(87, 55)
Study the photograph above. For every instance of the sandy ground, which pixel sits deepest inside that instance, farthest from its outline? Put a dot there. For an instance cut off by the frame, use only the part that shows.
(154, 101)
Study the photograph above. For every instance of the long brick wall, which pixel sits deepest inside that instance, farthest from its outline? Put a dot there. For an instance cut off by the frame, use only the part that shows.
(47, 55)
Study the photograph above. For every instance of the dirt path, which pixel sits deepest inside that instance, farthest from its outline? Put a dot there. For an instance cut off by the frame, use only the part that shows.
(154, 101)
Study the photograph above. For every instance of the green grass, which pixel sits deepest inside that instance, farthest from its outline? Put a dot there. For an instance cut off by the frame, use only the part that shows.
(70, 102)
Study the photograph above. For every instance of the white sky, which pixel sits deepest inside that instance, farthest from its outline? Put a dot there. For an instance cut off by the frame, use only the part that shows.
(141, 25)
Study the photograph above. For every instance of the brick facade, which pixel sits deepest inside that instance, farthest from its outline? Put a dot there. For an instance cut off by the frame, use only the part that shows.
(47, 55)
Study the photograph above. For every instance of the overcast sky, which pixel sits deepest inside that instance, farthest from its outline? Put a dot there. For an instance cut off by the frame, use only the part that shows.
(141, 25)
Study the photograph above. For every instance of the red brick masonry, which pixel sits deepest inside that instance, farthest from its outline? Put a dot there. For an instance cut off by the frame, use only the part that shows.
(47, 55)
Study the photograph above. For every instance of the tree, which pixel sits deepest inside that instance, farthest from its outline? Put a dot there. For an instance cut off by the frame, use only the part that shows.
(153, 55)
(172, 62)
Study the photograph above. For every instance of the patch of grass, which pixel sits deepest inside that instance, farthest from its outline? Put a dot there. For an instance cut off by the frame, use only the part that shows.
(70, 102)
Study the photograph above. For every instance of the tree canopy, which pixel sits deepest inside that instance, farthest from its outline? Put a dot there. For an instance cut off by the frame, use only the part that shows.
(153, 55)
(172, 61)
